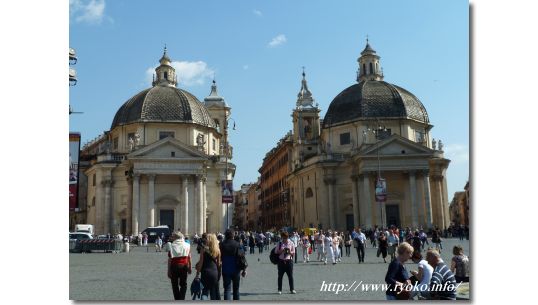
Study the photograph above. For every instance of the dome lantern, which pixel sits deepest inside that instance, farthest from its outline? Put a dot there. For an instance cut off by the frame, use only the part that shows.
(166, 74)
(369, 64)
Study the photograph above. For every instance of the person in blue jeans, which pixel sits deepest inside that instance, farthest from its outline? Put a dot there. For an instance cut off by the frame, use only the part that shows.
(230, 250)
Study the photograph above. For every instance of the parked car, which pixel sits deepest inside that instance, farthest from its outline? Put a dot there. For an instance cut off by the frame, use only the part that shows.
(74, 238)
(153, 232)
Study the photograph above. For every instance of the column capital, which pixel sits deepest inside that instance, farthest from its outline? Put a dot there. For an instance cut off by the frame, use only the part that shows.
(151, 177)
(354, 177)
(136, 177)
(107, 182)
(329, 180)
(437, 177)
(426, 173)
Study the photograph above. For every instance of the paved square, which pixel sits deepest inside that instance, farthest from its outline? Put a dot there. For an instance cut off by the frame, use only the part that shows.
(141, 275)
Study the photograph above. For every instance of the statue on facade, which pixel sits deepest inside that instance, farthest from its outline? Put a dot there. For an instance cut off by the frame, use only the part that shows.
(131, 143)
(434, 144)
(200, 140)
(329, 150)
(440, 145)
(137, 139)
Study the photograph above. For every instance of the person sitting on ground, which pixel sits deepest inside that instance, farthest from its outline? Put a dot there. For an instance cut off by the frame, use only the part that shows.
(460, 265)
(443, 283)
(397, 276)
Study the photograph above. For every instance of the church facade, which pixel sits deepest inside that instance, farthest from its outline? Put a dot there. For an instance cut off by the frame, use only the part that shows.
(163, 162)
(372, 129)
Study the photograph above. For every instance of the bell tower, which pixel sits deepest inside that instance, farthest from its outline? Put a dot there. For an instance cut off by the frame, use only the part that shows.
(306, 124)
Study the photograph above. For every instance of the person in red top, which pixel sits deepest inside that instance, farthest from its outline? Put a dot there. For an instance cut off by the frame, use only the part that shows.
(179, 264)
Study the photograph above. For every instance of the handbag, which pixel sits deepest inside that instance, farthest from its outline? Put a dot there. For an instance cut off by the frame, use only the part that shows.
(196, 288)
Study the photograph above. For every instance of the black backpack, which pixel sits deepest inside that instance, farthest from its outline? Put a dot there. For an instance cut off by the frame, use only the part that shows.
(274, 256)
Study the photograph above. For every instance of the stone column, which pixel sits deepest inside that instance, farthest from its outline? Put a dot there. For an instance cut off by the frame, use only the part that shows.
(151, 200)
(414, 203)
(368, 202)
(107, 218)
(427, 196)
(136, 202)
(356, 213)
(200, 206)
(332, 221)
(439, 183)
(204, 205)
(185, 225)
(129, 206)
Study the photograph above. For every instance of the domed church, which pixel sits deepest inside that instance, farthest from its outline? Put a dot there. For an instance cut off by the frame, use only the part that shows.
(164, 159)
(372, 129)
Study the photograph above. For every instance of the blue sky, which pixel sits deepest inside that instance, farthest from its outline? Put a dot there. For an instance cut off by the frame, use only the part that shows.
(257, 49)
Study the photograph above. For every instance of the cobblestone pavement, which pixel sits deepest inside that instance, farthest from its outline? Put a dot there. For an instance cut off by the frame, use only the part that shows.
(141, 275)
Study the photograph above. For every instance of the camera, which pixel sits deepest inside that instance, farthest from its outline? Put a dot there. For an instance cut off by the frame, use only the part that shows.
(286, 251)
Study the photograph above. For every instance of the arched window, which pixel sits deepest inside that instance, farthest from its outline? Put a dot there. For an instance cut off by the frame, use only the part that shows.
(309, 193)
(363, 69)
(93, 201)
(376, 68)
(371, 68)
(165, 75)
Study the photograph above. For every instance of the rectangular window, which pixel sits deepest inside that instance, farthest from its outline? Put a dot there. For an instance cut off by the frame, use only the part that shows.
(214, 144)
(94, 178)
(345, 138)
(420, 137)
(164, 134)
(130, 135)
(115, 143)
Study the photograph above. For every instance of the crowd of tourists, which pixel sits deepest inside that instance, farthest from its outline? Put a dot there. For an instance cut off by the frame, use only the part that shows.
(222, 258)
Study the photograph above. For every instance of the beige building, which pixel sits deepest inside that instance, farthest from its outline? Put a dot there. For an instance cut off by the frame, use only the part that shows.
(371, 129)
(162, 162)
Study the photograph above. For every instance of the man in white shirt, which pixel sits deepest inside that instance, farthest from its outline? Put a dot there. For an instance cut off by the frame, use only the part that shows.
(328, 245)
(361, 242)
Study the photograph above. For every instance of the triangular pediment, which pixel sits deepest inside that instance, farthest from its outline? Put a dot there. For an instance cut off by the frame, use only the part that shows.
(164, 149)
(397, 145)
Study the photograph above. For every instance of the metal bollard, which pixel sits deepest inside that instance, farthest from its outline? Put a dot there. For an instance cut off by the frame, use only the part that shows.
(126, 247)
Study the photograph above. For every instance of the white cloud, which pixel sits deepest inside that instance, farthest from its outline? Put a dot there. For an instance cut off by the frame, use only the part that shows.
(88, 11)
(189, 73)
(457, 152)
(278, 40)
(257, 13)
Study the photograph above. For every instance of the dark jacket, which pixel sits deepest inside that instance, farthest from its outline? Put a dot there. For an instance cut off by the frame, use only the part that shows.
(229, 250)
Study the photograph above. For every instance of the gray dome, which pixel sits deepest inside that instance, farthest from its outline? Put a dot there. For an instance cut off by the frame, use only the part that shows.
(374, 99)
(163, 104)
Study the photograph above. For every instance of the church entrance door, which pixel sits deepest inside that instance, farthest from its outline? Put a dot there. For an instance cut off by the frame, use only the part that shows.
(166, 217)
(393, 215)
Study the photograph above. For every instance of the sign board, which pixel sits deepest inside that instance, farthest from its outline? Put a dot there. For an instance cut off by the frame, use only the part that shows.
(380, 190)
(74, 149)
(227, 191)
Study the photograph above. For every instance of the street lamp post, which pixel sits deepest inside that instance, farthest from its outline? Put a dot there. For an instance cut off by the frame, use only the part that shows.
(226, 152)
(381, 203)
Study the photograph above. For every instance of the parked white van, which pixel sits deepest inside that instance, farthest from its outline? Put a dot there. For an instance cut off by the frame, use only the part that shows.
(86, 228)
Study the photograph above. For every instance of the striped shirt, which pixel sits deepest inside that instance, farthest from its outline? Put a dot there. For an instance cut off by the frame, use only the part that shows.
(443, 282)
